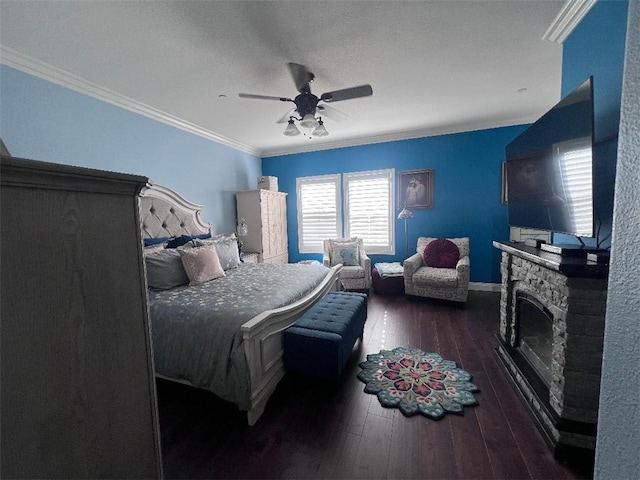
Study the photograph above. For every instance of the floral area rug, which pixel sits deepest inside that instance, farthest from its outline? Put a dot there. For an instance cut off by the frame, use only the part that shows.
(417, 382)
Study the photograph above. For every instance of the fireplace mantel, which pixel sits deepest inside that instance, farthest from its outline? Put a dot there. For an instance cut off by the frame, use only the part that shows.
(573, 290)
(571, 266)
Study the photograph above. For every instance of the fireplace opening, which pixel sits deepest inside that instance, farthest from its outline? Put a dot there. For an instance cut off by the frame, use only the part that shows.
(535, 335)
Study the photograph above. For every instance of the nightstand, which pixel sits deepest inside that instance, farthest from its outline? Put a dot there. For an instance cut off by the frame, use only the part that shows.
(250, 257)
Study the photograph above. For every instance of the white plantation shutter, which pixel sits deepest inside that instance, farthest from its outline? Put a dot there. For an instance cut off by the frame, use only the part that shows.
(319, 211)
(369, 209)
(576, 167)
(368, 205)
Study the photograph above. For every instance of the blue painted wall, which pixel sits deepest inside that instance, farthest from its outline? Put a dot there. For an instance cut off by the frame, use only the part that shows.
(467, 165)
(44, 121)
(467, 186)
(596, 47)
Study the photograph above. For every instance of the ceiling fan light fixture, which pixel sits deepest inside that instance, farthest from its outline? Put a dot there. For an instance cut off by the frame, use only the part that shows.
(306, 103)
(309, 121)
(291, 130)
(320, 130)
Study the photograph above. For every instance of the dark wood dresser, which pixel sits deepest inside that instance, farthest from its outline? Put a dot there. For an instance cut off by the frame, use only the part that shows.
(78, 395)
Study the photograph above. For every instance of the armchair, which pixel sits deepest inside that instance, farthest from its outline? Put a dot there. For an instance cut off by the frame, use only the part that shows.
(448, 276)
(356, 265)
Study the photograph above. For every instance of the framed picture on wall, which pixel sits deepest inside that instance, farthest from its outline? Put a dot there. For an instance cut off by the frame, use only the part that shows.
(415, 188)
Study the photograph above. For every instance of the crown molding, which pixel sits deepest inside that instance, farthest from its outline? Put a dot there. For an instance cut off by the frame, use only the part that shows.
(398, 136)
(24, 63)
(13, 58)
(567, 19)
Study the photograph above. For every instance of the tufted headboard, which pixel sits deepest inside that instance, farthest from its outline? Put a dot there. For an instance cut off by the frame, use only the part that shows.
(165, 213)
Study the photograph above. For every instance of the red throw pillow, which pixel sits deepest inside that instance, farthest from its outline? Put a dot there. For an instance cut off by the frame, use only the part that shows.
(441, 253)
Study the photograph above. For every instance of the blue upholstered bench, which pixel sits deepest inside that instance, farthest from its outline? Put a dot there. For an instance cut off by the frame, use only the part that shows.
(320, 342)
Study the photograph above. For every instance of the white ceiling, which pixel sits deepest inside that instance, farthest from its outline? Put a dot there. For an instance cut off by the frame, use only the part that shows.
(435, 66)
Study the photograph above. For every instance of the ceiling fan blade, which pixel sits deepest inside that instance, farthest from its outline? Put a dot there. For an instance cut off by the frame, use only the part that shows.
(264, 97)
(332, 113)
(286, 116)
(302, 77)
(347, 93)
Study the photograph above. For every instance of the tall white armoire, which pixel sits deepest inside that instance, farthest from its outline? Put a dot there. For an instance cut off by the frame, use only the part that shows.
(265, 213)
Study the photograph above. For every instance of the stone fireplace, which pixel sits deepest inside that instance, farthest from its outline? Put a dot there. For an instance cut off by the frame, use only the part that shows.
(550, 341)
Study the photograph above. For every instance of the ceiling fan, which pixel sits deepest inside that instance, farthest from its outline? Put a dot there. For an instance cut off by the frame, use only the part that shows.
(308, 105)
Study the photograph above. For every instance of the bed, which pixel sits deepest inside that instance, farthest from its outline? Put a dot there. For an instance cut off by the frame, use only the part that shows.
(225, 335)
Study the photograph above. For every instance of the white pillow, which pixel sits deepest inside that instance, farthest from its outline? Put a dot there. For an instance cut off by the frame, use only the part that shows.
(201, 264)
(227, 249)
(153, 249)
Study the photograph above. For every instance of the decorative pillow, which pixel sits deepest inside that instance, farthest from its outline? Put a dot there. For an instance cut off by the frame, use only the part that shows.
(336, 249)
(155, 241)
(461, 242)
(153, 248)
(350, 256)
(165, 270)
(441, 253)
(226, 248)
(190, 244)
(221, 237)
(201, 264)
(182, 239)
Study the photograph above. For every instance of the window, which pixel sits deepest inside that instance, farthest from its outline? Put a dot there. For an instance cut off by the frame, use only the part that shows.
(319, 211)
(368, 210)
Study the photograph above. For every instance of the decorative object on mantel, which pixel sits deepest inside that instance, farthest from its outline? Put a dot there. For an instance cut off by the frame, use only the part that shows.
(417, 382)
(405, 215)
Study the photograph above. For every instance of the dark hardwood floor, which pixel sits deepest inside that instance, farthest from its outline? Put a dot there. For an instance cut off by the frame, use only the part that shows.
(325, 430)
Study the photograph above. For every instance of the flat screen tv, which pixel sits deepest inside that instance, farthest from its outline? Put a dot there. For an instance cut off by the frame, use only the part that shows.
(550, 169)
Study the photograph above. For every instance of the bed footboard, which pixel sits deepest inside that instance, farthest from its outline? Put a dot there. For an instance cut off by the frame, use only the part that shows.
(263, 344)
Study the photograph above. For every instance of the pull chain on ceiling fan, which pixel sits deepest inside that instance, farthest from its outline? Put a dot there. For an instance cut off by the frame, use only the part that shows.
(308, 105)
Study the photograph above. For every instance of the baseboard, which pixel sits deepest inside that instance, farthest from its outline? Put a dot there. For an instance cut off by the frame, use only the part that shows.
(485, 287)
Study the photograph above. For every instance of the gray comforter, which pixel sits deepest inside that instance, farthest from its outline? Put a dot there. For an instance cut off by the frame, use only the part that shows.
(196, 330)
